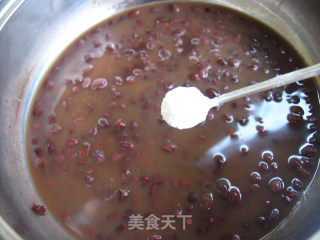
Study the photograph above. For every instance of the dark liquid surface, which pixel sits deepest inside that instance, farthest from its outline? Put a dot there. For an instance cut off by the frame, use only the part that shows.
(100, 153)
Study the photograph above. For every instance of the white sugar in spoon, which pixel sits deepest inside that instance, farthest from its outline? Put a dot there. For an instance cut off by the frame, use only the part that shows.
(186, 107)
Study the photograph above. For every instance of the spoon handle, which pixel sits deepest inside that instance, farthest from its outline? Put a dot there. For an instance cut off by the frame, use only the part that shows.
(278, 81)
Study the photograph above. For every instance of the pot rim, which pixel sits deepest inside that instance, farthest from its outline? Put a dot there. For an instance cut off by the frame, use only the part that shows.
(7, 9)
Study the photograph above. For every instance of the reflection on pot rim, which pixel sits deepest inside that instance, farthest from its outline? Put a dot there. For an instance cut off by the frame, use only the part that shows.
(14, 69)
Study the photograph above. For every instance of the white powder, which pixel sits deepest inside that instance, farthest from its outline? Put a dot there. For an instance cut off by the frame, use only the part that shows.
(184, 107)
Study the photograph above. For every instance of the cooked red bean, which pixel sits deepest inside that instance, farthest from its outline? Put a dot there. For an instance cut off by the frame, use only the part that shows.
(170, 147)
(38, 209)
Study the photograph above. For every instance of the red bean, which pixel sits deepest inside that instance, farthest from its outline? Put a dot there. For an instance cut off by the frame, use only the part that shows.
(274, 215)
(110, 48)
(244, 149)
(169, 147)
(294, 120)
(38, 151)
(51, 148)
(195, 41)
(130, 79)
(89, 179)
(123, 194)
(133, 125)
(38, 209)
(52, 118)
(262, 220)
(73, 142)
(212, 93)
(129, 52)
(297, 110)
(207, 201)
(155, 237)
(243, 121)
(222, 62)
(175, 8)
(35, 141)
(220, 160)
(87, 70)
(145, 180)
(297, 184)
(234, 196)
(120, 123)
(236, 237)
(276, 185)
(103, 122)
(267, 156)
(99, 156)
(296, 162)
(308, 151)
(263, 166)
(223, 186)
(164, 54)
(134, 13)
(274, 166)
(255, 176)
(99, 83)
(127, 145)
(194, 76)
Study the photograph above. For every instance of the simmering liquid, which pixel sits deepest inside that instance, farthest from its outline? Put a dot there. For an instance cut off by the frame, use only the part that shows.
(108, 167)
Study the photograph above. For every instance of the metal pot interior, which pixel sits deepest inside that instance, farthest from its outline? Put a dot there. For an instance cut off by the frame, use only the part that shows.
(34, 33)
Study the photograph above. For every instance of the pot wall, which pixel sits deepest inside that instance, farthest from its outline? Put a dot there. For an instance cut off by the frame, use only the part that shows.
(33, 33)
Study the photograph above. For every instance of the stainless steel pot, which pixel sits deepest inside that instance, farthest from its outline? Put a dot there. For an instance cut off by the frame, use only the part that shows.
(33, 33)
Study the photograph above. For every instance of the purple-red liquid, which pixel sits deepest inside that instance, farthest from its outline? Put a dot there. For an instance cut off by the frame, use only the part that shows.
(99, 151)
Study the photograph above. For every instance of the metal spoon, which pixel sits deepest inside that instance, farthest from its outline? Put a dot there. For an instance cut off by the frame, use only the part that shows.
(186, 107)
